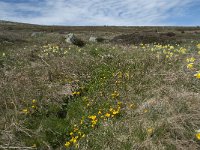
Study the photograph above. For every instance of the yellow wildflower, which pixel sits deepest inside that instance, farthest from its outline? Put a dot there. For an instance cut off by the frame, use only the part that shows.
(131, 106)
(190, 60)
(33, 106)
(127, 75)
(197, 75)
(83, 135)
(92, 117)
(117, 82)
(25, 111)
(115, 112)
(67, 144)
(118, 108)
(73, 140)
(111, 109)
(71, 133)
(119, 103)
(150, 131)
(183, 50)
(107, 115)
(120, 74)
(33, 101)
(76, 93)
(171, 54)
(94, 122)
(198, 46)
(190, 66)
(198, 135)
(167, 56)
(99, 112)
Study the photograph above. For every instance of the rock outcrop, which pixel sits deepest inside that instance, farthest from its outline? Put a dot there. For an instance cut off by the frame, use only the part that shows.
(72, 39)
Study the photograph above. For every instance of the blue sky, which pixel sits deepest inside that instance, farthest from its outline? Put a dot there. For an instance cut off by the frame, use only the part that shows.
(102, 12)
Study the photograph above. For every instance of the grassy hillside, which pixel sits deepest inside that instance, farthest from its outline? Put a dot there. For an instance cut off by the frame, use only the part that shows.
(111, 95)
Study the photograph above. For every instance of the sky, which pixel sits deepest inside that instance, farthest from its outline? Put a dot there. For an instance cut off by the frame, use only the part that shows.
(102, 12)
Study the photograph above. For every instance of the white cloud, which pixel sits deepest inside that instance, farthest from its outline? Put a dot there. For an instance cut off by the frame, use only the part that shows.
(94, 12)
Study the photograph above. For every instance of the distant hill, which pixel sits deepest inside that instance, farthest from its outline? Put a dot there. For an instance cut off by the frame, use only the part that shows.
(3, 22)
(16, 31)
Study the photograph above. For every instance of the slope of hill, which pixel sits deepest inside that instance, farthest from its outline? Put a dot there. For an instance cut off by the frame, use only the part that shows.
(132, 91)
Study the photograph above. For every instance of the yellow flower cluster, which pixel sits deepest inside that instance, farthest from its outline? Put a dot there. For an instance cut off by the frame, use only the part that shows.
(29, 110)
(190, 66)
(168, 51)
(76, 93)
(74, 137)
(112, 111)
(115, 111)
(107, 115)
(93, 120)
(190, 60)
(53, 49)
(90, 121)
(34, 104)
(182, 50)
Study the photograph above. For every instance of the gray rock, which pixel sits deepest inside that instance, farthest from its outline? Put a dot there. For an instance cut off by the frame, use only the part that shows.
(72, 39)
(93, 39)
(34, 34)
(96, 39)
(66, 90)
